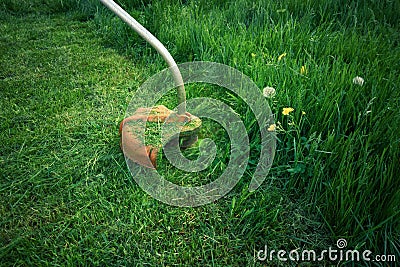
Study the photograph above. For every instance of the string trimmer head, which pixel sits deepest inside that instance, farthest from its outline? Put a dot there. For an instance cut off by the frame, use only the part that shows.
(145, 151)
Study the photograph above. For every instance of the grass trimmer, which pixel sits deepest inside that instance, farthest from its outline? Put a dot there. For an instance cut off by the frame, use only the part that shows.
(134, 148)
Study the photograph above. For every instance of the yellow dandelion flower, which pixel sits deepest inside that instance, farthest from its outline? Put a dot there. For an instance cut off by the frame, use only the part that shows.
(303, 70)
(271, 128)
(253, 55)
(286, 111)
(281, 56)
(303, 113)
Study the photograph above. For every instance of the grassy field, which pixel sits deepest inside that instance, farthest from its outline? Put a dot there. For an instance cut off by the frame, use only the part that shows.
(70, 68)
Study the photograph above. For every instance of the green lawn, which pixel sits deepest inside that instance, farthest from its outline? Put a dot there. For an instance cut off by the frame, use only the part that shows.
(70, 68)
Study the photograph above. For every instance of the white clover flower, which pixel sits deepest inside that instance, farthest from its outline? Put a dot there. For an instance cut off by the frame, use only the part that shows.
(358, 80)
(269, 92)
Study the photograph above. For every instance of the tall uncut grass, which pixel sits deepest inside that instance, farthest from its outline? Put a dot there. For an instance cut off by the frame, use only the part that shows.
(339, 150)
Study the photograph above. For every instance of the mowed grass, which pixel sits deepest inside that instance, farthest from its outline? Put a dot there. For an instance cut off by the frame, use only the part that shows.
(66, 79)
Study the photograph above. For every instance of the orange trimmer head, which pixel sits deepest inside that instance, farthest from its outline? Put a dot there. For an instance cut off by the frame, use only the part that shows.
(142, 138)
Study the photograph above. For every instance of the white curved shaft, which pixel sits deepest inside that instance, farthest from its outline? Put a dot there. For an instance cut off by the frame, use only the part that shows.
(154, 42)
